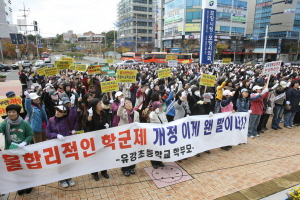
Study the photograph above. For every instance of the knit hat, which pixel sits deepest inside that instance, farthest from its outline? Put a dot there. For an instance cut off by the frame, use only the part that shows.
(156, 104)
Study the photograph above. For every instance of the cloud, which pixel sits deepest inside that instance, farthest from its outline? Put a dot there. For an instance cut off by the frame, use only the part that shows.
(58, 16)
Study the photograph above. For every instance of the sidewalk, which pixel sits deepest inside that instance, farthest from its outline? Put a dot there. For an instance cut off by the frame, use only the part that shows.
(224, 174)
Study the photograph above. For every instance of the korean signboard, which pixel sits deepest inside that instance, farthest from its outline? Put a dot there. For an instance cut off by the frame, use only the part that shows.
(272, 67)
(109, 86)
(171, 57)
(117, 147)
(172, 63)
(51, 71)
(238, 18)
(61, 65)
(208, 32)
(5, 102)
(80, 67)
(174, 18)
(226, 60)
(126, 76)
(164, 73)
(195, 27)
(108, 71)
(94, 69)
(207, 80)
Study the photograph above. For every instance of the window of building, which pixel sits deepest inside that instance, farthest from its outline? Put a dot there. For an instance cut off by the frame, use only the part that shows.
(192, 14)
(240, 4)
(150, 24)
(140, 8)
(224, 3)
(193, 2)
(141, 23)
(140, 1)
(150, 9)
(150, 16)
(150, 31)
(140, 16)
(223, 16)
(225, 29)
(142, 30)
(237, 30)
(150, 1)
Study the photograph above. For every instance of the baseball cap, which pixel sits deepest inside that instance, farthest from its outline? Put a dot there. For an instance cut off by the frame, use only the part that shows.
(33, 96)
(283, 84)
(244, 90)
(119, 93)
(9, 94)
(206, 97)
(62, 108)
(65, 100)
(256, 87)
(156, 104)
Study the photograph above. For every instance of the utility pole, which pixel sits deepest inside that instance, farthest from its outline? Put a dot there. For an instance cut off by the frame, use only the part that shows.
(114, 42)
(136, 36)
(1, 46)
(24, 10)
(265, 45)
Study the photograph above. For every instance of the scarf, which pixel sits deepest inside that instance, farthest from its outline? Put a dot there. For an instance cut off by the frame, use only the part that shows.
(130, 118)
(10, 123)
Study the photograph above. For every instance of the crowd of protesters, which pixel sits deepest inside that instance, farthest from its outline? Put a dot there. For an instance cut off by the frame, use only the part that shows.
(58, 106)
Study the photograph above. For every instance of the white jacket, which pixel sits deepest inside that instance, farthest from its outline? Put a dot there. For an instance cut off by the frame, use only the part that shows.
(154, 118)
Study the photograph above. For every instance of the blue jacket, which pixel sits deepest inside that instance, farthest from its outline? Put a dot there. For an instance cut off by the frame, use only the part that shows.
(168, 102)
(36, 119)
(293, 96)
(243, 105)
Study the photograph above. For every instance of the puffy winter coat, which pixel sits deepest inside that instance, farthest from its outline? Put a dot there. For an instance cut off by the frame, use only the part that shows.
(35, 116)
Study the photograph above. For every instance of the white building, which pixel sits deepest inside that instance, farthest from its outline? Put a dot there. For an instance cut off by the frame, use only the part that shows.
(6, 20)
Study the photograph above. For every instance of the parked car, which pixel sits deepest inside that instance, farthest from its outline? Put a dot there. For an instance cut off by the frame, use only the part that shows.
(127, 62)
(46, 65)
(25, 64)
(4, 68)
(39, 62)
(47, 60)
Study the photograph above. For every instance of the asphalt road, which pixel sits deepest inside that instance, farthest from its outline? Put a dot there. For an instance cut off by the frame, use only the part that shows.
(11, 74)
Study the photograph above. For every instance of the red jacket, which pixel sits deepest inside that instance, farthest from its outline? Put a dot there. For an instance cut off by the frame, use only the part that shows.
(257, 106)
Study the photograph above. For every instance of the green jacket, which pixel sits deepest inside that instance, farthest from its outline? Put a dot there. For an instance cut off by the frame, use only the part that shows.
(19, 134)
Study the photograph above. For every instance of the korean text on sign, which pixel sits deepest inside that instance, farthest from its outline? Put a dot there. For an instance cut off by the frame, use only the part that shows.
(171, 57)
(208, 80)
(272, 67)
(5, 102)
(110, 60)
(80, 67)
(94, 69)
(109, 86)
(61, 65)
(51, 71)
(164, 73)
(226, 60)
(172, 63)
(126, 76)
(67, 59)
(41, 71)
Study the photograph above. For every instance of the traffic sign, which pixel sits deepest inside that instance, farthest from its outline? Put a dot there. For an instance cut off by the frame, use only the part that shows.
(79, 48)
(40, 46)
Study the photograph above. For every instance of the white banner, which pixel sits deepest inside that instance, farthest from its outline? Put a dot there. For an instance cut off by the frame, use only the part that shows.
(172, 63)
(117, 147)
(272, 67)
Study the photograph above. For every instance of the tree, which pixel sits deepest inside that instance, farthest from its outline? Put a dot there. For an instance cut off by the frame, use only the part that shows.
(220, 48)
(109, 39)
(9, 49)
(72, 47)
(189, 45)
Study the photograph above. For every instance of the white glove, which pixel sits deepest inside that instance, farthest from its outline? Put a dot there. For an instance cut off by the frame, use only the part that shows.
(72, 99)
(265, 90)
(156, 110)
(241, 84)
(172, 88)
(111, 101)
(73, 132)
(21, 145)
(183, 94)
(200, 102)
(249, 111)
(60, 137)
(176, 84)
(60, 103)
(179, 82)
(287, 102)
(288, 84)
(269, 109)
(275, 86)
(26, 93)
(168, 90)
(122, 102)
(74, 91)
(106, 125)
(90, 112)
(210, 114)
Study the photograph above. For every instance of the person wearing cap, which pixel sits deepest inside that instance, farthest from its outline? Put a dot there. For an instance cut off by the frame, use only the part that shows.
(17, 132)
(37, 116)
(59, 128)
(158, 117)
(219, 94)
(203, 106)
(127, 116)
(243, 102)
(97, 119)
(256, 107)
(74, 120)
(10, 94)
(50, 100)
(293, 99)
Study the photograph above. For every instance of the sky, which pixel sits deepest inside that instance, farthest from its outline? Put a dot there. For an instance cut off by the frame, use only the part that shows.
(58, 16)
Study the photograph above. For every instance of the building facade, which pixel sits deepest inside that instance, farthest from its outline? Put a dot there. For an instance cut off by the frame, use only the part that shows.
(6, 20)
(135, 24)
(282, 17)
(181, 22)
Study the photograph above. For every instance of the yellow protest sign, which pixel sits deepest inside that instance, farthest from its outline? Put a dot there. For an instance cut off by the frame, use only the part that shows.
(41, 71)
(94, 69)
(72, 67)
(61, 65)
(110, 60)
(5, 102)
(79, 132)
(126, 76)
(80, 67)
(208, 80)
(164, 73)
(226, 60)
(170, 57)
(51, 71)
(67, 59)
(185, 61)
(109, 86)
